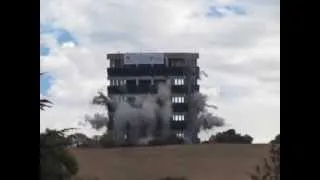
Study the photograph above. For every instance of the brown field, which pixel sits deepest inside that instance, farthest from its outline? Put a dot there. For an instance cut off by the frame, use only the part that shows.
(195, 162)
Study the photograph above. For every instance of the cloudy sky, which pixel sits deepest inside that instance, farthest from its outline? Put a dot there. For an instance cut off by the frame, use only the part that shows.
(238, 42)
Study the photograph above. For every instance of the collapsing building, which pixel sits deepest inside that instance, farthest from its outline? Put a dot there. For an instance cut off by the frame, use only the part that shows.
(153, 96)
(153, 87)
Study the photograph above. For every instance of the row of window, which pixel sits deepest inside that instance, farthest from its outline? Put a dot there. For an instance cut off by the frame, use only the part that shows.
(116, 82)
(175, 99)
(178, 99)
(178, 117)
(178, 81)
(171, 63)
(180, 134)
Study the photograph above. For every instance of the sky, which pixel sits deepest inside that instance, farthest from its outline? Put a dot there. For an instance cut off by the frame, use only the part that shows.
(238, 42)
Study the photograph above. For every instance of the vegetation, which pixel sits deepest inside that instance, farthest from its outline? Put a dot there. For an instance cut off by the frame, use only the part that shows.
(270, 170)
(276, 140)
(106, 140)
(230, 136)
(56, 163)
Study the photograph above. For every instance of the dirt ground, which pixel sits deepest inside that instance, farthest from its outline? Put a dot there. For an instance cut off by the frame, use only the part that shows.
(195, 162)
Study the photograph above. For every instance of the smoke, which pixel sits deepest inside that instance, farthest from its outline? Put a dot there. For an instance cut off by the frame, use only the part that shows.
(208, 120)
(205, 119)
(98, 121)
(140, 119)
(201, 118)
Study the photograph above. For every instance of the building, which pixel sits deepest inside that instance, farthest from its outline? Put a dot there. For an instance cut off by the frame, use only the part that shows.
(140, 73)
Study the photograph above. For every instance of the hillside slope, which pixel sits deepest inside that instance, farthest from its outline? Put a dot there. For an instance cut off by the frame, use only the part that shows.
(196, 162)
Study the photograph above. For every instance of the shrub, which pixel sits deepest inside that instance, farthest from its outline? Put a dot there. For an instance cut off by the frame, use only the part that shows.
(270, 170)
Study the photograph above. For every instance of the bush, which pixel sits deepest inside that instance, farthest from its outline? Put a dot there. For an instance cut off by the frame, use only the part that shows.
(106, 141)
(56, 163)
(270, 170)
(230, 136)
(276, 140)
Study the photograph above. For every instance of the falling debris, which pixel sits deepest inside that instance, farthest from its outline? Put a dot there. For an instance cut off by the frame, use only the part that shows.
(204, 73)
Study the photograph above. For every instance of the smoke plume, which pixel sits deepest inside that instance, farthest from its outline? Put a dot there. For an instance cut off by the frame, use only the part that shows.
(139, 119)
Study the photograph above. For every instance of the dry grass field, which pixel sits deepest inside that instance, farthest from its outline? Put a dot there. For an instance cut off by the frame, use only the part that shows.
(195, 162)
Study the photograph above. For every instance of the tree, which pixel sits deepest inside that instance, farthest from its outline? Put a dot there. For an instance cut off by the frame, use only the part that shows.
(56, 162)
(230, 136)
(270, 170)
(276, 140)
(79, 140)
(106, 141)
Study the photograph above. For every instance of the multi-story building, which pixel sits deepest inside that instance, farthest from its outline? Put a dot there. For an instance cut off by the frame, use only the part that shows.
(140, 73)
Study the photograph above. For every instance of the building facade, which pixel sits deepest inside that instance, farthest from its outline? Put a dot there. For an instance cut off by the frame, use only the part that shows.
(140, 74)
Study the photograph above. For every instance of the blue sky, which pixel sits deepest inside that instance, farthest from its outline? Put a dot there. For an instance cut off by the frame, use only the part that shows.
(62, 36)
(45, 83)
(220, 11)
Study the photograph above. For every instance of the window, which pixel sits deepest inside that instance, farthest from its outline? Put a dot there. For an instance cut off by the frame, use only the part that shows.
(177, 99)
(178, 81)
(122, 82)
(176, 62)
(116, 82)
(112, 82)
(180, 134)
(112, 63)
(178, 117)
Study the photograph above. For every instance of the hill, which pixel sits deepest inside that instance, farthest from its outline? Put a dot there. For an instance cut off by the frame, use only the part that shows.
(195, 162)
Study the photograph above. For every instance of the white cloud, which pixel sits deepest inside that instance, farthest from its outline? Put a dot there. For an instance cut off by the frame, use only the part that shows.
(241, 54)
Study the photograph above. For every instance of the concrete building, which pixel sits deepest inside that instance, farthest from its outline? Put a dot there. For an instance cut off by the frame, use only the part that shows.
(140, 74)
